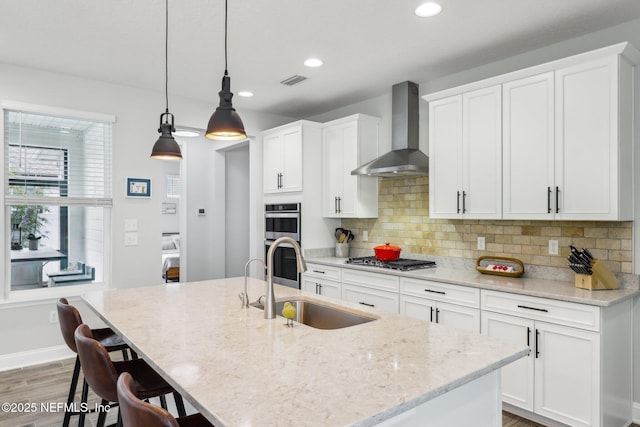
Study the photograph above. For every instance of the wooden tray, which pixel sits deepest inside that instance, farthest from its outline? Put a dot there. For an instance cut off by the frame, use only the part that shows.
(516, 264)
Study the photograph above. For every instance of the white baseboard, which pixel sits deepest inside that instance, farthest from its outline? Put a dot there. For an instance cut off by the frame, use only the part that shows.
(34, 357)
(635, 412)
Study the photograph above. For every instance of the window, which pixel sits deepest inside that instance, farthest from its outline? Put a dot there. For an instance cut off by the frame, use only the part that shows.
(57, 198)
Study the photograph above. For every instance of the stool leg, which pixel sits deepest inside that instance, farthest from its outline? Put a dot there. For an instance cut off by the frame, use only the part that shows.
(163, 402)
(83, 399)
(102, 416)
(179, 404)
(134, 355)
(72, 392)
(125, 354)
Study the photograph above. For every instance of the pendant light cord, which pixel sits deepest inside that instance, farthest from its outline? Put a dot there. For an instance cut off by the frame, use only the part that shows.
(226, 73)
(166, 54)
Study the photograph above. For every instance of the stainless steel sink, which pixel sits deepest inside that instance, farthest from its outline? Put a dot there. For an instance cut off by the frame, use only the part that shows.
(321, 316)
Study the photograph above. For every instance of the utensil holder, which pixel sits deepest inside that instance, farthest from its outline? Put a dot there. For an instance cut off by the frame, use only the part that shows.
(602, 278)
(342, 250)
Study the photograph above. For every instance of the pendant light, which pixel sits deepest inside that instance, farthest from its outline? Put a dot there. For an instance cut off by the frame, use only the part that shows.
(166, 147)
(225, 124)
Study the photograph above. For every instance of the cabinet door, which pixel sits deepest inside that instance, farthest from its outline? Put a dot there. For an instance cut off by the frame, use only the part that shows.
(292, 160)
(528, 148)
(587, 141)
(445, 157)
(332, 171)
(417, 308)
(457, 316)
(371, 297)
(482, 154)
(272, 162)
(349, 199)
(330, 289)
(567, 374)
(309, 284)
(518, 376)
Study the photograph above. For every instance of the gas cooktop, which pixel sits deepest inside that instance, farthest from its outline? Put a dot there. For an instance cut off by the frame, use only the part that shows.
(401, 264)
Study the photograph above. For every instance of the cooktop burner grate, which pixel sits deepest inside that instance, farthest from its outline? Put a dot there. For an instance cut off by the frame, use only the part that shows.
(401, 264)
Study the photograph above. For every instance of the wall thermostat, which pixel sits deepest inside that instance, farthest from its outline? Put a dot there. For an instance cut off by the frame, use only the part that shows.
(201, 212)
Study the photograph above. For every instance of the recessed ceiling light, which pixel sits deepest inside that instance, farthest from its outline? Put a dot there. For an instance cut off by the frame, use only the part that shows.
(245, 93)
(186, 133)
(428, 9)
(313, 62)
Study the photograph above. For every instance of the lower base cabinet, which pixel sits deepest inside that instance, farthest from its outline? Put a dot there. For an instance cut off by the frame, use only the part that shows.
(384, 300)
(572, 375)
(320, 286)
(455, 316)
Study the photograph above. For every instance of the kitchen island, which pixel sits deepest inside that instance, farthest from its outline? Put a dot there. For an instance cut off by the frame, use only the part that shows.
(240, 369)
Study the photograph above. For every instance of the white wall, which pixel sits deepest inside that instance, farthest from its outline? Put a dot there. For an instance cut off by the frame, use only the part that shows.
(237, 210)
(24, 326)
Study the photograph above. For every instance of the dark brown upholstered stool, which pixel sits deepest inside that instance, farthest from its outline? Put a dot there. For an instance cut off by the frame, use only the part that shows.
(102, 374)
(137, 413)
(70, 319)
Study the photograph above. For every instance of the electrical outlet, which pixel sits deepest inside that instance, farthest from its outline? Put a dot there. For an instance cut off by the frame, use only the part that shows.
(481, 244)
(553, 247)
(53, 317)
(365, 236)
(131, 239)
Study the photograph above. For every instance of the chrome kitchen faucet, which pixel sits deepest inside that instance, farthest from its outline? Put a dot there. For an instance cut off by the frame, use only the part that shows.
(270, 301)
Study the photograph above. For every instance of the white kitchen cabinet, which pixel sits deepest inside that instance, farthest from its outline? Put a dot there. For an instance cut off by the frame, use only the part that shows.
(566, 154)
(528, 148)
(594, 140)
(442, 303)
(282, 155)
(578, 369)
(348, 143)
(465, 136)
(322, 280)
(371, 289)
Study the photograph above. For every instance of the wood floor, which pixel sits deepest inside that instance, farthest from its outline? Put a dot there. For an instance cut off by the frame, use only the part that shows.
(48, 384)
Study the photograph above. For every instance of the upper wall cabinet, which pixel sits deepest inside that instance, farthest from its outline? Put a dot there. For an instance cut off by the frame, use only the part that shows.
(346, 144)
(282, 155)
(566, 140)
(464, 155)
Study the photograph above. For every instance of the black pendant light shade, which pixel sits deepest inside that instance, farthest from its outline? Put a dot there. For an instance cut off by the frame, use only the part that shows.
(225, 124)
(166, 147)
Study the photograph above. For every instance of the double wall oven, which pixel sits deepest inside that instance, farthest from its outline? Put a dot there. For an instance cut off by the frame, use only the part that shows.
(283, 220)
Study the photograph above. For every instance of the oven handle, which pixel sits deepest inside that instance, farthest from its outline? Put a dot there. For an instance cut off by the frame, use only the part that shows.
(282, 214)
(283, 245)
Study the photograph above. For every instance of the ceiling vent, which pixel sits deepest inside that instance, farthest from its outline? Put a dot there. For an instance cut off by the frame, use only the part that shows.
(293, 80)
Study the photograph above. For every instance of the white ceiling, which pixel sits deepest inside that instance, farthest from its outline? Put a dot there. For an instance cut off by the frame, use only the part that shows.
(366, 45)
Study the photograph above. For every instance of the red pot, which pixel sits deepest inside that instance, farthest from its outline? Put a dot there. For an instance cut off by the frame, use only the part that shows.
(387, 252)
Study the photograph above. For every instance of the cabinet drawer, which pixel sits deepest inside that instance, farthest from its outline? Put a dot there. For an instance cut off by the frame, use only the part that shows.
(374, 298)
(549, 310)
(323, 271)
(455, 294)
(381, 281)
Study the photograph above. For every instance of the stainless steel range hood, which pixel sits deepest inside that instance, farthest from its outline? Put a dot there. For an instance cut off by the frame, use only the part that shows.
(405, 158)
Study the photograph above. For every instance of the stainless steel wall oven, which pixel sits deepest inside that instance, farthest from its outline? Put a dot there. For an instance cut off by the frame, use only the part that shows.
(283, 220)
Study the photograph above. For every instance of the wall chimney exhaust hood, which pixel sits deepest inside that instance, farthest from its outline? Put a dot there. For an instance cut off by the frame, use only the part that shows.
(405, 158)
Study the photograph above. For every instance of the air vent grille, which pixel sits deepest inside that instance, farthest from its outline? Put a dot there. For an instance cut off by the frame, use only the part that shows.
(293, 80)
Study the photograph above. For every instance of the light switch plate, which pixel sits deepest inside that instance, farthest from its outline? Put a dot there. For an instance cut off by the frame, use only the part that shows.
(481, 243)
(131, 224)
(553, 247)
(130, 239)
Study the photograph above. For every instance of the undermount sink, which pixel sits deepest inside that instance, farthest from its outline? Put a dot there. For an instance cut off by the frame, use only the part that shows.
(321, 316)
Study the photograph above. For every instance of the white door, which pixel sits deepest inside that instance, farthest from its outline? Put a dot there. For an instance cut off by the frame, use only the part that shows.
(482, 154)
(587, 141)
(291, 179)
(567, 374)
(518, 376)
(458, 316)
(528, 148)
(417, 308)
(332, 165)
(272, 162)
(445, 157)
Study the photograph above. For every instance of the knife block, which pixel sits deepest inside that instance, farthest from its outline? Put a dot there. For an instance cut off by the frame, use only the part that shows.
(602, 278)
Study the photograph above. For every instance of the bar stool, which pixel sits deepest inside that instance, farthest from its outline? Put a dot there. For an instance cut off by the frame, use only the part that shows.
(102, 374)
(70, 319)
(137, 413)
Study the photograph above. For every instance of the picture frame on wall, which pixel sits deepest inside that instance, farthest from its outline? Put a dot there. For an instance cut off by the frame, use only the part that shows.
(138, 187)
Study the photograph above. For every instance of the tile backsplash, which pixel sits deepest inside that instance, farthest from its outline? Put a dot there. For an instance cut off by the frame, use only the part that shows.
(404, 221)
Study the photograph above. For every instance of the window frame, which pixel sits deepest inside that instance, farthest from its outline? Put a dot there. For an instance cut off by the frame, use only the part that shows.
(10, 297)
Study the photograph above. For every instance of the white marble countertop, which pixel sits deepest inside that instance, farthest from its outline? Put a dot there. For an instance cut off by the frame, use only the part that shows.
(240, 369)
(563, 291)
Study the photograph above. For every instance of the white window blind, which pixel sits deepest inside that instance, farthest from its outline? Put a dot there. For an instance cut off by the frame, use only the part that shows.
(56, 160)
